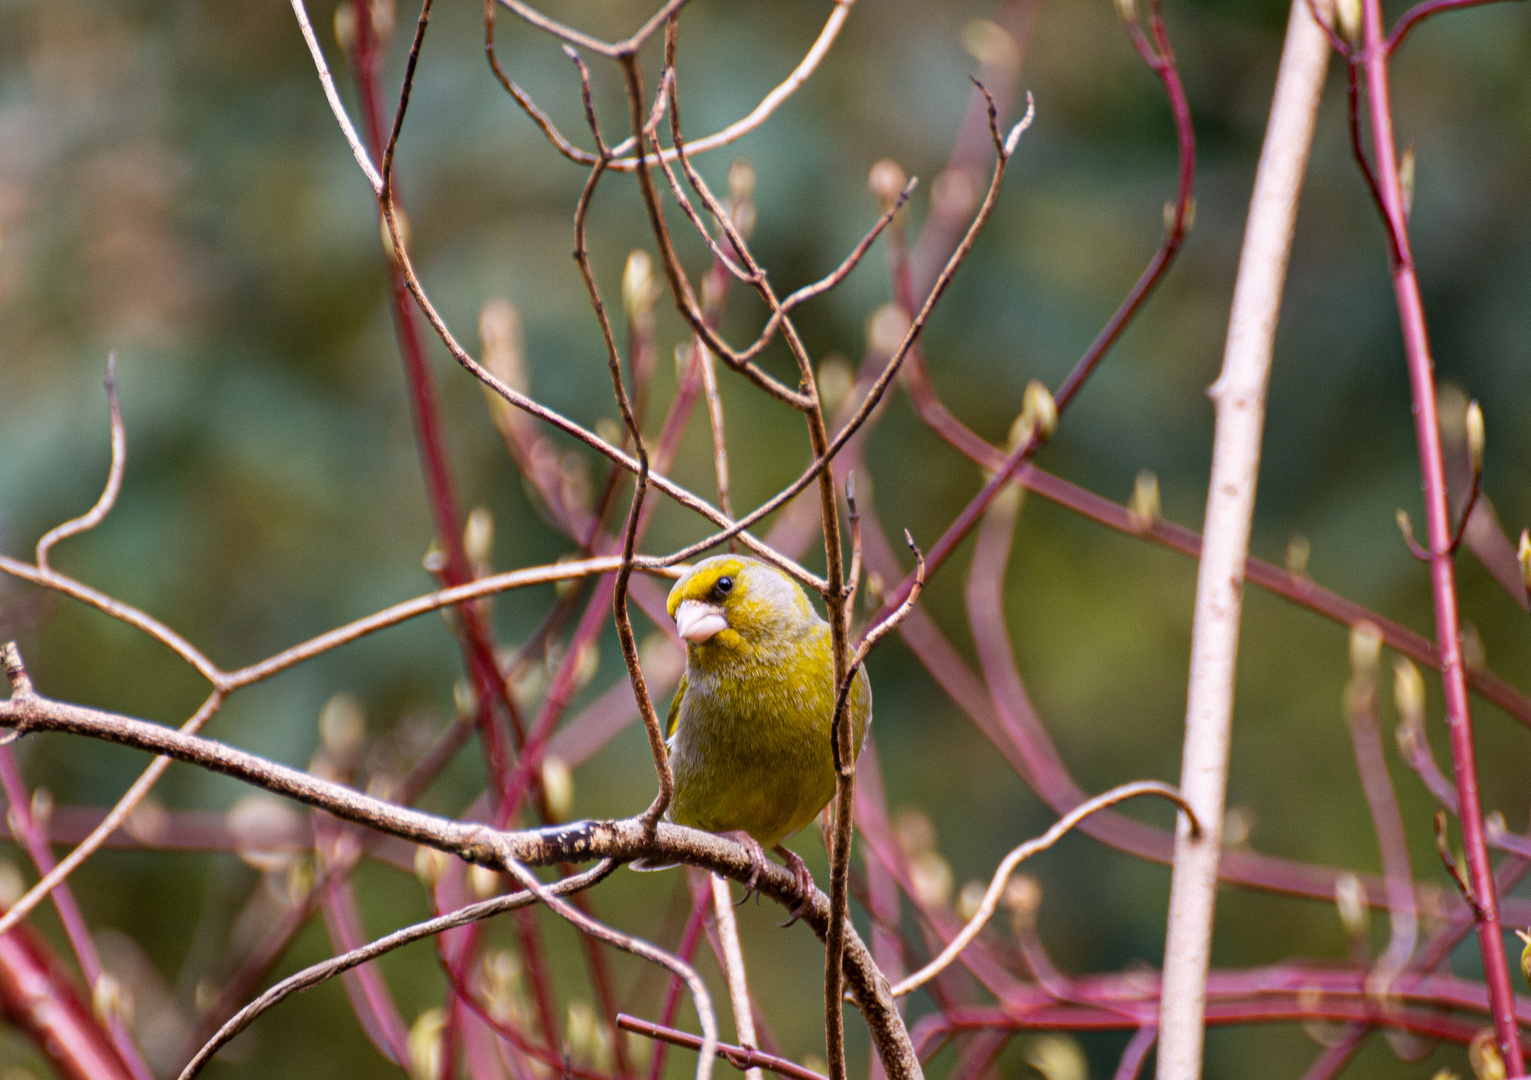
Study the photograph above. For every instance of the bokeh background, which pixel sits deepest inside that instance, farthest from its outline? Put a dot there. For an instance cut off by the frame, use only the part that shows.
(173, 187)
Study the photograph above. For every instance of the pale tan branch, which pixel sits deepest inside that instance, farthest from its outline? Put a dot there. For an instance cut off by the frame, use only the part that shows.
(1025, 851)
(332, 95)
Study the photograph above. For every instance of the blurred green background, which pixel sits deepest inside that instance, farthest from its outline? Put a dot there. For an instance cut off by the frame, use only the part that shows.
(172, 186)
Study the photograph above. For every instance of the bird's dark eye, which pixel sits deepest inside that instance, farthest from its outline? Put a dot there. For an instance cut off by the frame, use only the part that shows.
(723, 586)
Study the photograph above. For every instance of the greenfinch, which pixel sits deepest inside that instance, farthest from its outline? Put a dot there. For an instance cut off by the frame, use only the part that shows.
(749, 729)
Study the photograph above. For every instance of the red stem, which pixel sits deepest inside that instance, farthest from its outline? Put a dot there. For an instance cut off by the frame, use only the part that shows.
(1411, 316)
(35, 995)
(34, 840)
(489, 686)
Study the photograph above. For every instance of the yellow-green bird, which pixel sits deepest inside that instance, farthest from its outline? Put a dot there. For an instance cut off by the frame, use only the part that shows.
(749, 730)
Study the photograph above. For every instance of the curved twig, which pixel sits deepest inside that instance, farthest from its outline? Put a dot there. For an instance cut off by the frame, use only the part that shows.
(91, 518)
(1027, 850)
(333, 96)
(325, 970)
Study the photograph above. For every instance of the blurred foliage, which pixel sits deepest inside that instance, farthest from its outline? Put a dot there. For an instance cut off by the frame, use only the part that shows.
(173, 187)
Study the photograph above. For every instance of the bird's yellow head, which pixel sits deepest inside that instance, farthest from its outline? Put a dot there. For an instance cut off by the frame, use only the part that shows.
(737, 603)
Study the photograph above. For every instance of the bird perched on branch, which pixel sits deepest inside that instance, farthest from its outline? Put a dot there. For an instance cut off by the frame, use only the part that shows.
(749, 730)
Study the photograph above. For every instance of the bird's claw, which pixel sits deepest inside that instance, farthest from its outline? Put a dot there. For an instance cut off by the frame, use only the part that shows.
(757, 861)
(804, 882)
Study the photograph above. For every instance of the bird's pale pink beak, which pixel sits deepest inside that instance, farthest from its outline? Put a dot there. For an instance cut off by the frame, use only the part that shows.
(696, 621)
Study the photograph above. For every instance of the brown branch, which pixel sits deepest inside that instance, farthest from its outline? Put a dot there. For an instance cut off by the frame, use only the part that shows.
(740, 1057)
(622, 840)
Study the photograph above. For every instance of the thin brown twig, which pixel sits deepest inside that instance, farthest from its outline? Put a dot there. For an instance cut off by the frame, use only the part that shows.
(325, 970)
(109, 824)
(1025, 851)
(363, 158)
(93, 517)
(701, 1000)
(740, 1057)
(890, 370)
(651, 725)
(623, 840)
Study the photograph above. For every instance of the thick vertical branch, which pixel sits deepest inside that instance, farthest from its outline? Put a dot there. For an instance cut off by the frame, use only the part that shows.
(1239, 395)
(1411, 316)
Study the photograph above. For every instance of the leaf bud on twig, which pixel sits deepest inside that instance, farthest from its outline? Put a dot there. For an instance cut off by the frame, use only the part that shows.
(970, 899)
(1409, 699)
(589, 1041)
(886, 182)
(1238, 823)
(402, 221)
(1406, 180)
(954, 194)
(741, 178)
(1524, 555)
(639, 289)
(42, 809)
(111, 1000)
(1057, 1057)
(300, 880)
(483, 882)
(1128, 10)
(1298, 549)
(1022, 898)
(1475, 437)
(261, 826)
(342, 726)
(914, 830)
(931, 878)
(558, 786)
(12, 885)
(991, 45)
(1484, 1056)
(500, 333)
(574, 488)
(425, 1045)
(1525, 955)
(835, 382)
(478, 539)
(1365, 649)
(1348, 18)
(464, 698)
(1474, 654)
(1171, 211)
(1038, 403)
(345, 26)
(1143, 509)
(430, 865)
(684, 354)
(741, 202)
(500, 983)
(886, 328)
(434, 560)
(1350, 900)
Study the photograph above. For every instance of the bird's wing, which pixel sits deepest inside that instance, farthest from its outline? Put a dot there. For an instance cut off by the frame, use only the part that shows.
(680, 692)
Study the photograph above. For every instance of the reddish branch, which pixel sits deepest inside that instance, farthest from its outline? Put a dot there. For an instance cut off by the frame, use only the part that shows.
(1373, 60)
